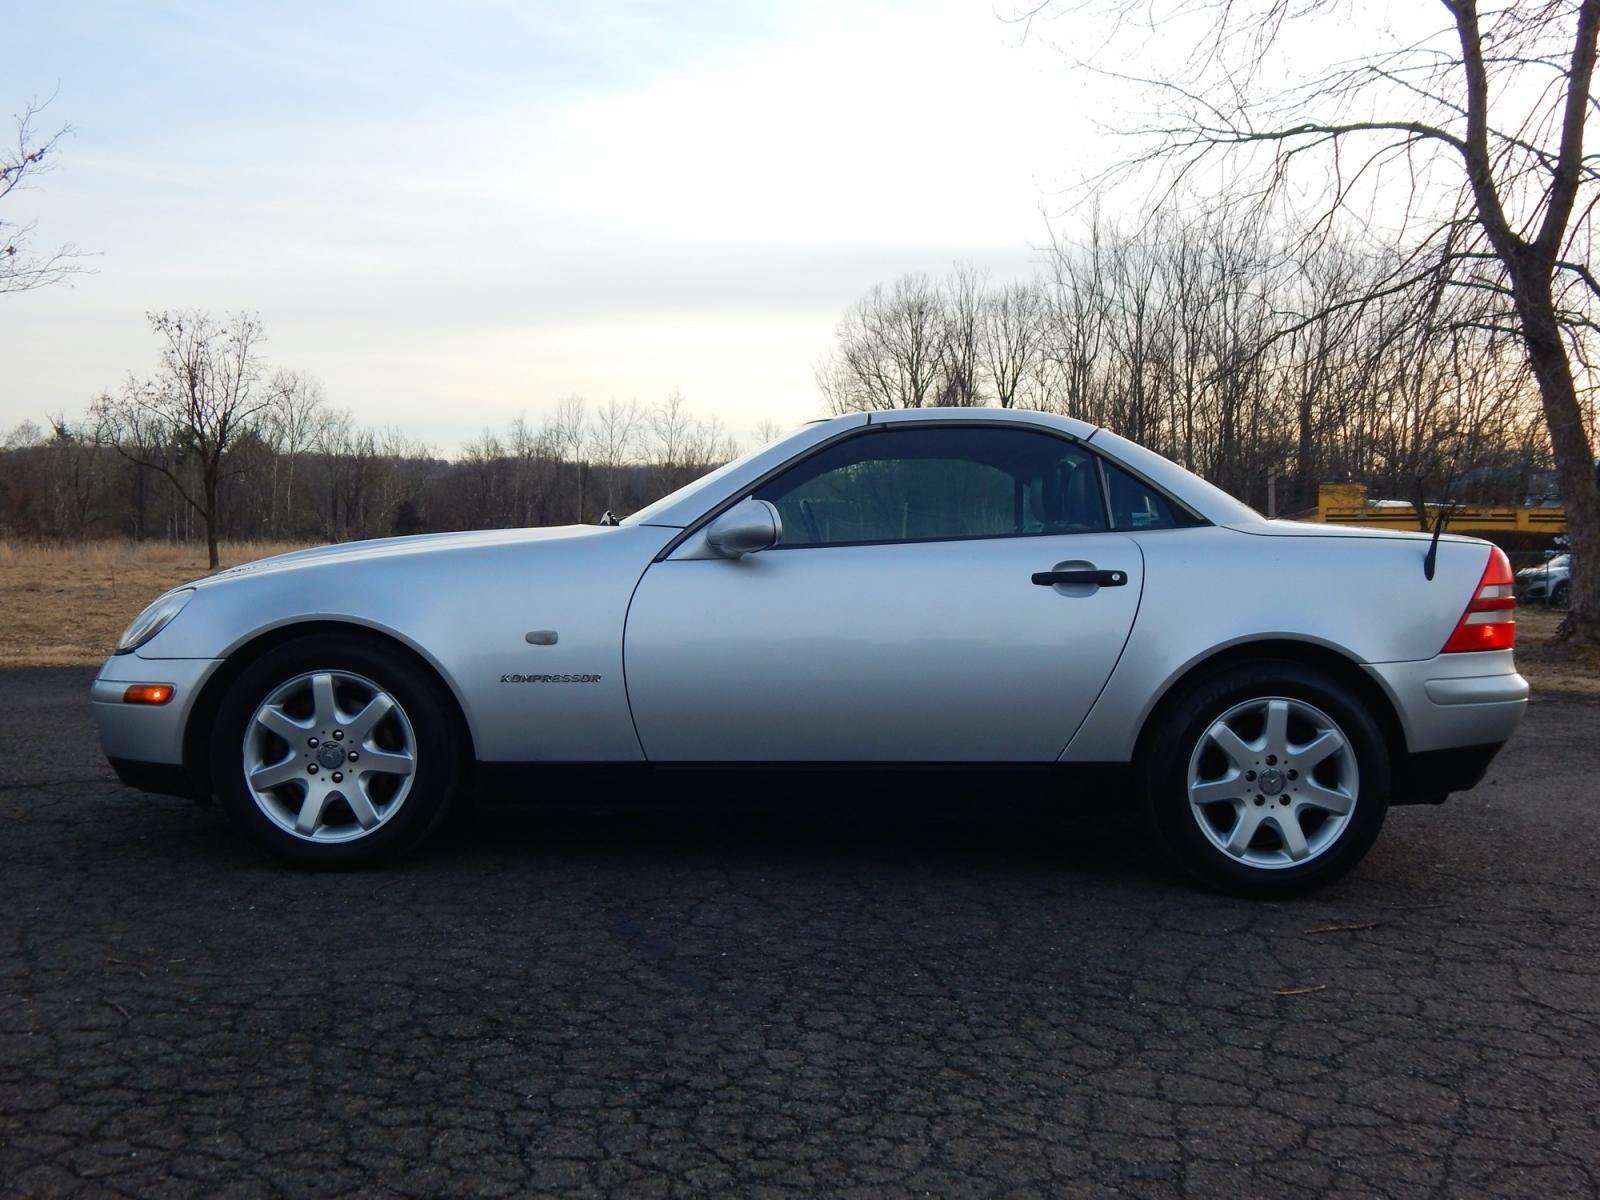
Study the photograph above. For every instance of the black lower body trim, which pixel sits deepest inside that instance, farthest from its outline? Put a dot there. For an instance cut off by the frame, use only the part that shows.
(518, 784)
(163, 779)
(1430, 776)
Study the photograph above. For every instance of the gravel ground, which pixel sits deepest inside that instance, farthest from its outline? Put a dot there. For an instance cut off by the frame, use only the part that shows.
(796, 1000)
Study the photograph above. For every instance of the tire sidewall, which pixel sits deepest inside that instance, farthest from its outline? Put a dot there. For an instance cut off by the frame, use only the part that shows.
(413, 687)
(1172, 740)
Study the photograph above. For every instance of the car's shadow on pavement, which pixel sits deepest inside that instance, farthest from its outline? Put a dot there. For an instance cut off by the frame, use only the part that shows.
(835, 820)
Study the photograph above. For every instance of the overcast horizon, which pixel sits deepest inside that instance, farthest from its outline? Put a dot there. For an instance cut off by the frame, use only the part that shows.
(452, 219)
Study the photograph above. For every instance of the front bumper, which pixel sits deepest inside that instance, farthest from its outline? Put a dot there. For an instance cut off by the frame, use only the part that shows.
(140, 738)
(1453, 701)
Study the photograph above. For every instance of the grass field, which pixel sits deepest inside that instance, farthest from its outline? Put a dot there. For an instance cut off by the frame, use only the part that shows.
(66, 605)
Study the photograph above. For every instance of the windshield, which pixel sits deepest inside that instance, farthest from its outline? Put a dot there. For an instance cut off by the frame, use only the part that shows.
(644, 515)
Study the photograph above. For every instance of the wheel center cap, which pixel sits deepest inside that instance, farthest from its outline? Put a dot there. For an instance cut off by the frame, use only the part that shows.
(330, 755)
(1271, 781)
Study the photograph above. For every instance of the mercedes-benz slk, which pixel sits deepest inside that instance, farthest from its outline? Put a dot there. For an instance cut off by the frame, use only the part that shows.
(965, 588)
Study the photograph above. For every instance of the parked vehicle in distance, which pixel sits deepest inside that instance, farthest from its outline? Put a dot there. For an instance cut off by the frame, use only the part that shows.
(1550, 582)
(964, 588)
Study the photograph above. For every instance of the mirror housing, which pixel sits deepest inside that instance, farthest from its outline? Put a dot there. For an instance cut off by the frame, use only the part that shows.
(748, 526)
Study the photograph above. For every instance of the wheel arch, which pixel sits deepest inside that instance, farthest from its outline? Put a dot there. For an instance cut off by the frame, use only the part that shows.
(197, 734)
(1315, 655)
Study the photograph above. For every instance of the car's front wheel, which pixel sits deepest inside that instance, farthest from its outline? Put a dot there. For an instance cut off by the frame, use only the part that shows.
(1267, 779)
(336, 752)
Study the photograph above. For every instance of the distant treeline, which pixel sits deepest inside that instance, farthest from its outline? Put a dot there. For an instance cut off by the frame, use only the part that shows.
(302, 470)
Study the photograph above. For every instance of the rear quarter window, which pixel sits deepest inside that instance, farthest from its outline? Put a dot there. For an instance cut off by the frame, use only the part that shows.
(1137, 506)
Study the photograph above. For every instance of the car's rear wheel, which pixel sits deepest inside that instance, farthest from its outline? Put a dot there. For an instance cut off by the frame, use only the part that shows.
(1267, 779)
(1561, 594)
(335, 752)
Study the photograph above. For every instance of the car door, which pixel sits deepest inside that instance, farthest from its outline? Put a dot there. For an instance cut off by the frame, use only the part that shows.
(898, 618)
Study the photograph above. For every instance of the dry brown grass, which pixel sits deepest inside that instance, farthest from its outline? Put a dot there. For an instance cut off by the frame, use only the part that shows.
(1554, 666)
(66, 605)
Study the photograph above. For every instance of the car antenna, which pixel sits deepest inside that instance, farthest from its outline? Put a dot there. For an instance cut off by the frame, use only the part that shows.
(1432, 558)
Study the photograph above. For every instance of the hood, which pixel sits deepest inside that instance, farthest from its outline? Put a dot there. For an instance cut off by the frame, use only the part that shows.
(417, 546)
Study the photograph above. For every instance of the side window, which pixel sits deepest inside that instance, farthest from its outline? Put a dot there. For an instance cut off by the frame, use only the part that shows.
(1136, 506)
(903, 485)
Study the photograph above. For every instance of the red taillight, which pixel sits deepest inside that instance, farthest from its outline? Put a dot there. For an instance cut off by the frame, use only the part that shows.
(1490, 621)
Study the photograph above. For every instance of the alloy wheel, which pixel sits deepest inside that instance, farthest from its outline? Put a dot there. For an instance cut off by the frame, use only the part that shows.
(1272, 782)
(329, 756)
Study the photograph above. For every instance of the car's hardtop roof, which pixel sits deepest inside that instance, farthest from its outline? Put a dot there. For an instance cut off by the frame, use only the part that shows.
(1071, 426)
(690, 503)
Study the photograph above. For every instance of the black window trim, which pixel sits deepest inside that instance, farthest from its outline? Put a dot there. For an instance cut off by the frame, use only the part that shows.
(844, 435)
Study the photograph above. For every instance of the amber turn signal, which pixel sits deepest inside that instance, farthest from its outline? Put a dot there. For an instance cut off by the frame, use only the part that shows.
(148, 693)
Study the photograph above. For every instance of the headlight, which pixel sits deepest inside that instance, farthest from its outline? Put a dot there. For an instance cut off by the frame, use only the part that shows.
(153, 620)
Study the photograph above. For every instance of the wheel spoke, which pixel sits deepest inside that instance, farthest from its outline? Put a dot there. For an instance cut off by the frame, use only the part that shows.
(324, 710)
(1239, 752)
(276, 774)
(310, 815)
(1313, 752)
(1294, 838)
(356, 797)
(1214, 791)
(1245, 829)
(362, 724)
(1317, 796)
(1275, 740)
(279, 722)
(387, 762)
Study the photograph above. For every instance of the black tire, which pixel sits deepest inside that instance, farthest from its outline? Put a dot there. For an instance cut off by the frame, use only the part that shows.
(429, 718)
(1560, 594)
(1179, 733)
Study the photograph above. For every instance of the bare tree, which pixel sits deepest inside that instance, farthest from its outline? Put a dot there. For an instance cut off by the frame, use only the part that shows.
(75, 470)
(203, 398)
(613, 442)
(891, 349)
(1011, 341)
(1472, 130)
(534, 459)
(21, 267)
(669, 440)
(295, 409)
(569, 433)
(961, 345)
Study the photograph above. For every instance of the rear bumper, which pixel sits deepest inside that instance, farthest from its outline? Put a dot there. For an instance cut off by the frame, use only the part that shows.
(1429, 777)
(1456, 701)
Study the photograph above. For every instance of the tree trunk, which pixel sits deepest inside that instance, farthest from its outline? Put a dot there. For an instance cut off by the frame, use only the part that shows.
(213, 559)
(1580, 492)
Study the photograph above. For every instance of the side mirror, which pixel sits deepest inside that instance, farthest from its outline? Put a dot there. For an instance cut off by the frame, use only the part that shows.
(748, 526)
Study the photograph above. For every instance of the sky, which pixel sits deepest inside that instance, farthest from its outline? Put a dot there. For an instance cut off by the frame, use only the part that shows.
(451, 214)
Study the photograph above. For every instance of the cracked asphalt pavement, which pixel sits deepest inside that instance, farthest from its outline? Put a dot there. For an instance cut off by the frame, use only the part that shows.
(851, 998)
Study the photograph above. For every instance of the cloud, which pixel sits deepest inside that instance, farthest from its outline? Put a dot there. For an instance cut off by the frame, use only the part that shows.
(453, 213)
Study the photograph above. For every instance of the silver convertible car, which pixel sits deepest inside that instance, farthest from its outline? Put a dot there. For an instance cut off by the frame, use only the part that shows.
(965, 588)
